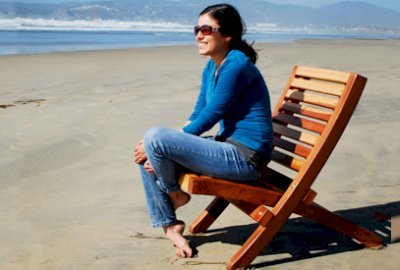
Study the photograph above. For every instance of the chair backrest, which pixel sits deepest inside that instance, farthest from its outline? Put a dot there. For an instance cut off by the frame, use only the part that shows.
(310, 117)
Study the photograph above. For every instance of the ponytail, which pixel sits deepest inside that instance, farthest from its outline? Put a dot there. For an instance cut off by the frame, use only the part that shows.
(245, 48)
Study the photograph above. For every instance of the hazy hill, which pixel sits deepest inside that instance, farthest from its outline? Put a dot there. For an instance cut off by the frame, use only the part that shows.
(343, 14)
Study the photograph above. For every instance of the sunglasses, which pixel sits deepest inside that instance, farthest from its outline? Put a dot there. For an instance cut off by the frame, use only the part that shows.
(205, 30)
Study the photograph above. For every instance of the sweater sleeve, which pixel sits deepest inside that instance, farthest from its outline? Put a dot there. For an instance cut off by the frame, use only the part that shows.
(232, 80)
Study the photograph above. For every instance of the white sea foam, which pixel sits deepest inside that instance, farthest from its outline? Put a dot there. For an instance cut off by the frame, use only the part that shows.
(89, 7)
(93, 25)
(113, 25)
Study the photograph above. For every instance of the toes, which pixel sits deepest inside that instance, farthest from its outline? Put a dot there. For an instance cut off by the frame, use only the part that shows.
(189, 253)
(180, 253)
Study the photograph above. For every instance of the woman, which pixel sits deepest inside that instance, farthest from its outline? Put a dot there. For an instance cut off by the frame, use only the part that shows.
(234, 94)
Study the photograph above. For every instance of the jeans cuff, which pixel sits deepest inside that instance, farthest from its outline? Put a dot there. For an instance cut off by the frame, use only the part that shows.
(163, 223)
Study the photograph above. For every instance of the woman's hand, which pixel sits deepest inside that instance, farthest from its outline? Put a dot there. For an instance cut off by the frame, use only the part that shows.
(184, 125)
(147, 167)
(139, 153)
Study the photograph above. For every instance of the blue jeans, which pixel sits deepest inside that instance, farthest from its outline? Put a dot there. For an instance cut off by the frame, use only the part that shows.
(170, 152)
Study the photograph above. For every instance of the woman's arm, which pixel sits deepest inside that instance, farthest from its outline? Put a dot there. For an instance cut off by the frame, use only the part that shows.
(233, 79)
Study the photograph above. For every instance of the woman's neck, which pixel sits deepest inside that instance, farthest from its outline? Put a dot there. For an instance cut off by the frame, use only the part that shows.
(219, 58)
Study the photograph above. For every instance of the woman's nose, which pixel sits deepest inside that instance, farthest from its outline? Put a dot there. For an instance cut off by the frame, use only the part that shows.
(199, 36)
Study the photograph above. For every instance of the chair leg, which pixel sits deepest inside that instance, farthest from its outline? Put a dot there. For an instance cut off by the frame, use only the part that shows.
(338, 223)
(256, 242)
(208, 216)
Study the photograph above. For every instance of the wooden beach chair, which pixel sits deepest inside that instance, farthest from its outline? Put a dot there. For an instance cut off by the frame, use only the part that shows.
(309, 119)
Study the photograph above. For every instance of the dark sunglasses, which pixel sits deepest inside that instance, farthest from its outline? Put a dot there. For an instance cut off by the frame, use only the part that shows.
(205, 30)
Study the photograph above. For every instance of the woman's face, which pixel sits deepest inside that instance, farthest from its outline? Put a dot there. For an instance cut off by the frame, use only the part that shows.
(214, 44)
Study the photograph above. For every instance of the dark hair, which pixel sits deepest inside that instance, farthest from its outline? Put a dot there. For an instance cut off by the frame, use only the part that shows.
(232, 25)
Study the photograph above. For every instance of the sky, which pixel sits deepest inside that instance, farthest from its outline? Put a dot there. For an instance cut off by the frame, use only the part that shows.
(393, 4)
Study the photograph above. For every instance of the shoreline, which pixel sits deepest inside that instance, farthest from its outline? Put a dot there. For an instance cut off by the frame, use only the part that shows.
(187, 44)
(261, 44)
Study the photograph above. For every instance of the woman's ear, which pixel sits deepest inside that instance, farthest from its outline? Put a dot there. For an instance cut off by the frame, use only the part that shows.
(228, 39)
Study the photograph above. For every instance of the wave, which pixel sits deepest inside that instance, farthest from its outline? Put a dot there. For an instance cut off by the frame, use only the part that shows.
(92, 25)
(39, 24)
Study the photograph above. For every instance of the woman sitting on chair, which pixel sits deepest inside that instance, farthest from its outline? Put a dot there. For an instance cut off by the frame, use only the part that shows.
(233, 94)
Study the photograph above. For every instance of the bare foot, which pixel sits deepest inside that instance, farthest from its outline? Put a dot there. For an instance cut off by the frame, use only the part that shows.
(179, 198)
(179, 227)
(174, 233)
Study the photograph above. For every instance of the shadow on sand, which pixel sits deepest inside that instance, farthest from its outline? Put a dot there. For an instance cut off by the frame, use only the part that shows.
(302, 239)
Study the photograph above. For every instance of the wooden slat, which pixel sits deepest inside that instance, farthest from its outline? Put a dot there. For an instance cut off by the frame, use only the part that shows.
(300, 122)
(270, 177)
(230, 190)
(318, 86)
(295, 134)
(306, 111)
(323, 74)
(312, 99)
(286, 160)
(292, 147)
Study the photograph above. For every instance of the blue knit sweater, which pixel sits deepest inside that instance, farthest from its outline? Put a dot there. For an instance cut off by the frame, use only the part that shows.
(237, 97)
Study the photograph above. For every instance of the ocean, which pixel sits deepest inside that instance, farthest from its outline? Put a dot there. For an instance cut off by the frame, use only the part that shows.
(33, 36)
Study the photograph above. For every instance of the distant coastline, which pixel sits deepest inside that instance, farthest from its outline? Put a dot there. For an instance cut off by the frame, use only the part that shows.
(52, 39)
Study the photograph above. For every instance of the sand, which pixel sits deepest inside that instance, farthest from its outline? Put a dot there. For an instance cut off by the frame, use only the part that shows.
(71, 197)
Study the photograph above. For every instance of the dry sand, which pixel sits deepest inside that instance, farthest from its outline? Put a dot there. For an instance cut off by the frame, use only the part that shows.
(70, 197)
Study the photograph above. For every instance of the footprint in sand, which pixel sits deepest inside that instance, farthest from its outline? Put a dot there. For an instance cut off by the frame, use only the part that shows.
(5, 106)
(38, 102)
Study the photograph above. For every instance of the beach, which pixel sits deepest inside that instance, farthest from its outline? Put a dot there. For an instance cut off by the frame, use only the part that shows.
(71, 196)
